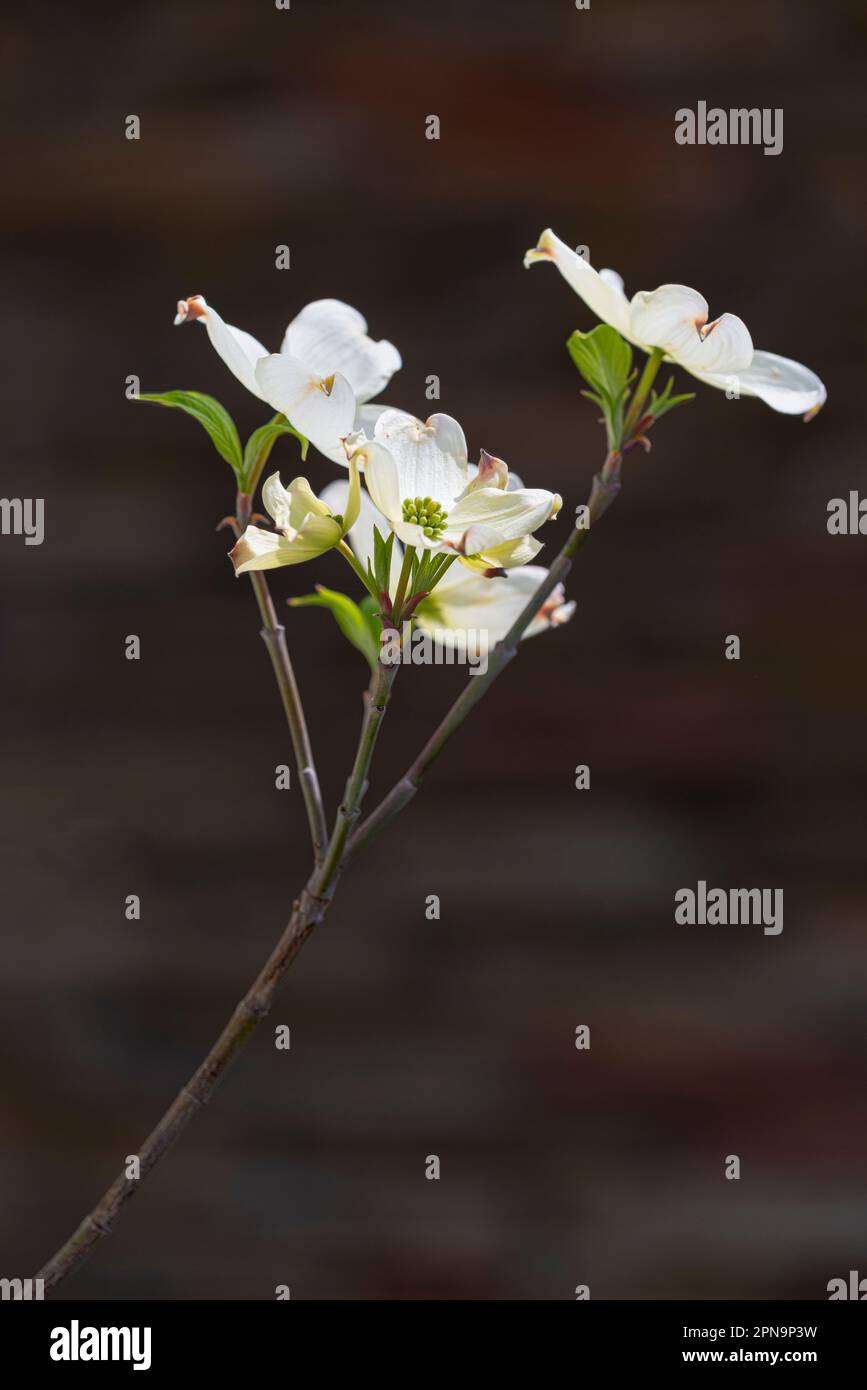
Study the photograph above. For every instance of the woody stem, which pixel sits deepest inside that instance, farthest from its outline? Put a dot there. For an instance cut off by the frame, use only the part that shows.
(274, 636)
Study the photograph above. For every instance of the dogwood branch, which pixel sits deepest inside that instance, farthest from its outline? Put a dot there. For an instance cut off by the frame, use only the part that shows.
(274, 637)
(307, 911)
(606, 485)
(315, 899)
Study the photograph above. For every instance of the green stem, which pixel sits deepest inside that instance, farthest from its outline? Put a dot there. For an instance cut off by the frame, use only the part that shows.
(349, 809)
(447, 562)
(351, 559)
(441, 564)
(640, 394)
(403, 581)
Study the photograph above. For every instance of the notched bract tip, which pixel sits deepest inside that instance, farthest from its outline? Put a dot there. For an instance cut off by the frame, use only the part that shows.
(493, 472)
(544, 250)
(190, 309)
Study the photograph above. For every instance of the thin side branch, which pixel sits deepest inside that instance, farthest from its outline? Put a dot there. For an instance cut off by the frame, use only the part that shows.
(350, 808)
(274, 636)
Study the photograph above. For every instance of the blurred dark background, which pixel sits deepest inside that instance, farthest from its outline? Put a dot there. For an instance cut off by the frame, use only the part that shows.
(410, 1037)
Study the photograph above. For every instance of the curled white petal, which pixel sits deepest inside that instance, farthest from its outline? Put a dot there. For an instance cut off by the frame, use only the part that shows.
(512, 514)
(330, 336)
(784, 385)
(239, 350)
(490, 471)
(381, 477)
(476, 539)
(495, 553)
(264, 550)
(513, 485)
(604, 296)
(290, 507)
(674, 318)
(321, 408)
(306, 525)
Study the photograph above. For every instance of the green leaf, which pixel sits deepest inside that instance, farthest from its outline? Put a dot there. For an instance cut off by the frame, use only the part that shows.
(259, 446)
(353, 621)
(426, 570)
(211, 416)
(382, 550)
(371, 610)
(604, 359)
(660, 405)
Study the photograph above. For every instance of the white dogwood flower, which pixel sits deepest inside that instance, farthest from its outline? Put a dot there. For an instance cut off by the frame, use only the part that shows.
(418, 477)
(674, 319)
(306, 525)
(462, 602)
(322, 379)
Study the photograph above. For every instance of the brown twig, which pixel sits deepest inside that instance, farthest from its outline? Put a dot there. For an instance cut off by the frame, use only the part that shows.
(274, 636)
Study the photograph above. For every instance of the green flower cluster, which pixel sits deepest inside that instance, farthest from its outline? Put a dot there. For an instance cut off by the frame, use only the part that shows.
(426, 513)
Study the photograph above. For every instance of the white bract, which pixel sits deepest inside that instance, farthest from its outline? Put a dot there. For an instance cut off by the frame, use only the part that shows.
(461, 603)
(306, 525)
(418, 477)
(674, 318)
(326, 372)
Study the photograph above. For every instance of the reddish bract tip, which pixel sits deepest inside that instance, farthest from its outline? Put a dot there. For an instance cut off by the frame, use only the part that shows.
(191, 309)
